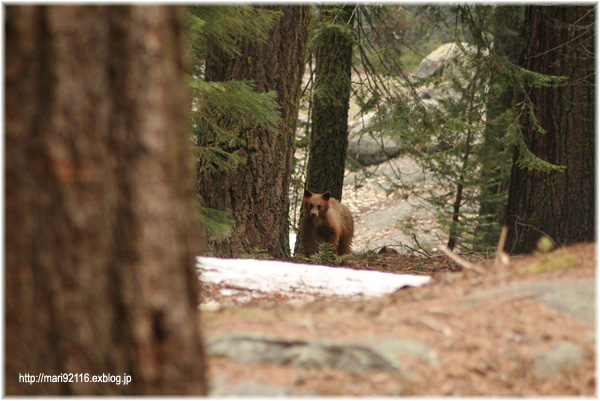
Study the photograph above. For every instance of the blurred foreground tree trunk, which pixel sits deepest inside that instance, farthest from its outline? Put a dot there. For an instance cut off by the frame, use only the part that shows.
(100, 239)
(559, 41)
(256, 192)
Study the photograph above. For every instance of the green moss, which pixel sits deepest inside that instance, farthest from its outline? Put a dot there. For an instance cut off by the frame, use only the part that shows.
(558, 260)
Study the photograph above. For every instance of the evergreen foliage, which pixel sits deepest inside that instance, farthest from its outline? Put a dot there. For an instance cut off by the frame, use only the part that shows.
(326, 255)
(222, 111)
(380, 40)
(527, 160)
(221, 28)
(465, 140)
(216, 222)
(469, 155)
(557, 127)
(505, 24)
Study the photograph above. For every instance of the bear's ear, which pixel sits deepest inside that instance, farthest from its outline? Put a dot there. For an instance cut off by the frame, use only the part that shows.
(307, 193)
(327, 195)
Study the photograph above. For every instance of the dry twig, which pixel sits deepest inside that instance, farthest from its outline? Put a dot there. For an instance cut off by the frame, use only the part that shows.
(419, 245)
(460, 261)
(501, 256)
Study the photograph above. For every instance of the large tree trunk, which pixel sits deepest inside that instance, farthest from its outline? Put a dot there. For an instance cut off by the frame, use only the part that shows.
(256, 193)
(100, 239)
(558, 40)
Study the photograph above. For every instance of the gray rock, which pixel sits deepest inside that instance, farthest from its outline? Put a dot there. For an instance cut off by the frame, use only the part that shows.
(447, 56)
(392, 348)
(371, 148)
(382, 219)
(452, 61)
(434, 60)
(368, 150)
(573, 296)
(403, 168)
(384, 226)
(550, 362)
(316, 354)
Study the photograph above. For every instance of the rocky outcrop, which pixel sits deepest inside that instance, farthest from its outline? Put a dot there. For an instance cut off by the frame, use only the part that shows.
(451, 62)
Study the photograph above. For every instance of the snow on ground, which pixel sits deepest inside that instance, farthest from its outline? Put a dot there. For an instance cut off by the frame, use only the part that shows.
(285, 277)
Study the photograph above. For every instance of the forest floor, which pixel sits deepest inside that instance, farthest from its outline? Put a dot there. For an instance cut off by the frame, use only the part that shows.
(522, 328)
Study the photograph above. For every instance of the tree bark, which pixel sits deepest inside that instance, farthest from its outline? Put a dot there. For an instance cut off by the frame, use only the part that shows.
(558, 40)
(329, 126)
(330, 105)
(100, 242)
(256, 193)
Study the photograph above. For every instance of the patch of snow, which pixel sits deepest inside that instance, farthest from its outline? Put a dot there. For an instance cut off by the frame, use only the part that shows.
(292, 241)
(277, 276)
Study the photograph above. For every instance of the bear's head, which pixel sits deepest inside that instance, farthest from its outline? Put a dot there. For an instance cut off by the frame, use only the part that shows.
(316, 204)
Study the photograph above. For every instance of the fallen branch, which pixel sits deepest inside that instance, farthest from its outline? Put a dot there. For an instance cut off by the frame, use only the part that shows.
(460, 261)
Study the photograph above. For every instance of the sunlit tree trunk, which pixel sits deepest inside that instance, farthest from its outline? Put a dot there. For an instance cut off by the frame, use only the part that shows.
(100, 238)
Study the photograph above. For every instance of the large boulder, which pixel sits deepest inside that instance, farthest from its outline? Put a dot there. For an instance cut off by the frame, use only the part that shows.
(444, 54)
(450, 61)
(368, 147)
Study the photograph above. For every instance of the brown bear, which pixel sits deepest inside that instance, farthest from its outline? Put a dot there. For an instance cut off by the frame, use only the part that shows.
(326, 220)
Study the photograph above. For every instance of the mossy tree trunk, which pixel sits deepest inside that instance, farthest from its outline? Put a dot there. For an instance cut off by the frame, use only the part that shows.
(558, 40)
(329, 125)
(330, 104)
(256, 193)
(100, 240)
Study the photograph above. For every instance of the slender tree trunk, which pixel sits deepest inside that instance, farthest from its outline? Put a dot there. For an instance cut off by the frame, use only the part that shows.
(453, 232)
(331, 100)
(256, 193)
(558, 40)
(100, 239)
(330, 105)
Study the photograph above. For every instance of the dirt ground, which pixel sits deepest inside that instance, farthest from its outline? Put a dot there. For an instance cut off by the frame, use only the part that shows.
(482, 346)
